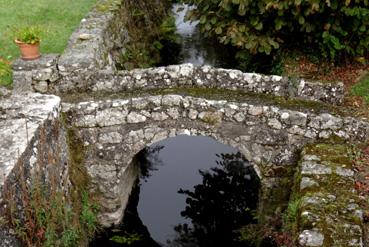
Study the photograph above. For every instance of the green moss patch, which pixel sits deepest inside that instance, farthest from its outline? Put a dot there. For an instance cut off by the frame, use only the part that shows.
(215, 94)
(362, 88)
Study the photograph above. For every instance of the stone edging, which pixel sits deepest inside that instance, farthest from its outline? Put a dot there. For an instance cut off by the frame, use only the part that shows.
(329, 207)
(160, 108)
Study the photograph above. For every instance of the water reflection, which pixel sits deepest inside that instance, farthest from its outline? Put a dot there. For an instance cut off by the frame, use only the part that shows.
(224, 201)
(187, 198)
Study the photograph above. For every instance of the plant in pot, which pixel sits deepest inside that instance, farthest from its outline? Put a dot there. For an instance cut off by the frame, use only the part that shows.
(28, 40)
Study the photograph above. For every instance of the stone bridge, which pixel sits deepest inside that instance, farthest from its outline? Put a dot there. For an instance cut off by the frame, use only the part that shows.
(115, 130)
(108, 116)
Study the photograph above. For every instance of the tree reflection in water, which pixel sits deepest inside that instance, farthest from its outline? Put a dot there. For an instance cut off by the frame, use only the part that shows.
(225, 201)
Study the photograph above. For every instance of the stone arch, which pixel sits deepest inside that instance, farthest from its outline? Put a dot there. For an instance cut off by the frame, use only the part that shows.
(115, 130)
(164, 134)
(130, 170)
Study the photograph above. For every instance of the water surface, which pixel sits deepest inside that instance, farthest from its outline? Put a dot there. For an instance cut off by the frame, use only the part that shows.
(193, 47)
(177, 167)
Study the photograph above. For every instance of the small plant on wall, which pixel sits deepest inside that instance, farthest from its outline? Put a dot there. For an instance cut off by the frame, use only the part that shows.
(28, 39)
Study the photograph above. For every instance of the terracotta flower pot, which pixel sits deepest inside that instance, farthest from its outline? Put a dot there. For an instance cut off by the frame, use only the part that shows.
(28, 51)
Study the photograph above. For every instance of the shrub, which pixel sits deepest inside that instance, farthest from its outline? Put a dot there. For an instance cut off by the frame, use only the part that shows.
(150, 26)
(334, 28)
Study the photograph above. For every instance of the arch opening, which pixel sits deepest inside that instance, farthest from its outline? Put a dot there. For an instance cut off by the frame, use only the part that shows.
(192, 191)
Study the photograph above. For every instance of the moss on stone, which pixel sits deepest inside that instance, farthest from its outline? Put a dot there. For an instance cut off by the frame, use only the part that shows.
(215, 94)
(327, 203)
(83, 203)
(108, 5)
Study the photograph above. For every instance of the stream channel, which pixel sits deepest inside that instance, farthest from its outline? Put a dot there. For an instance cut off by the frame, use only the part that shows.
(193, 191)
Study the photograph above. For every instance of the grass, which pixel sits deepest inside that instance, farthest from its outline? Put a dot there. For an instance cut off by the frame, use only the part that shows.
(57, 19)
(362, 88)
(5, 73)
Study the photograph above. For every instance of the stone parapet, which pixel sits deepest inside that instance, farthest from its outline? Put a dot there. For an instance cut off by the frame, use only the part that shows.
(89, 49)
(49, 79)
(21, 119)
(36, 75)
(188, 75)
(110, 112)
(329, 211)
(33, 149)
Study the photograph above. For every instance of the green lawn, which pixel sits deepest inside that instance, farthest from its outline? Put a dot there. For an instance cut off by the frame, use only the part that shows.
(362, 88)
(57, 18)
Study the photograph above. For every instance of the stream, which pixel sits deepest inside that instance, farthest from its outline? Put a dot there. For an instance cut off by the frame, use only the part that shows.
(193, 47)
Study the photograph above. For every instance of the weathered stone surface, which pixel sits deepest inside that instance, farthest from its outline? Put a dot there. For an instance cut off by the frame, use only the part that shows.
(4, 93)
(330, 214)
(21, 116)
(311, 238)
(35, 75)
(33, 142)
(76, 73)
(146, 109)
(8, 238)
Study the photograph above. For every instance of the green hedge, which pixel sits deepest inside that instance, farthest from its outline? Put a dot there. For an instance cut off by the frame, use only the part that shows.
(335, 29)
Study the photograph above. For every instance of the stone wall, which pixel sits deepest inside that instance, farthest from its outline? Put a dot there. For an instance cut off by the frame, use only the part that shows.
(114, 131)
(43, 76)
(90, 48)
(188, 75)
(330, 211)
(33, 150)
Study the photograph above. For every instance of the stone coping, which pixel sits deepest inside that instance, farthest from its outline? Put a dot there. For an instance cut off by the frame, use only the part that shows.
(21, 115)
(210, 77)
(141, 109)
(51, 79)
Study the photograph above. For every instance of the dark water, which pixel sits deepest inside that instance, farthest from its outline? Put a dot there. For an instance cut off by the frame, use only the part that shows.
(193, 191)
(193, 47)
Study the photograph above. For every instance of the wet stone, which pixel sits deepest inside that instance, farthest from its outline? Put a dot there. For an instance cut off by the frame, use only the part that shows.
(311, 238)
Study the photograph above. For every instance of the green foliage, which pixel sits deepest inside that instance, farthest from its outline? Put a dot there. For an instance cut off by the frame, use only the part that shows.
(52, 219)
(28, 34)
(51, 222)
(334, 28)
(150, 26)
(290, 216)
(70, 237)
(362, 88)
(126, 239)
(144, 53)
(88, 216)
